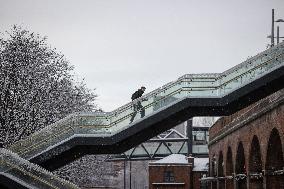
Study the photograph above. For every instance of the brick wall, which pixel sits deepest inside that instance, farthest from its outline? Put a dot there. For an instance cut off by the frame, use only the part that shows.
(181, 174)
(196, 177)
(259, 129)
(226, 121)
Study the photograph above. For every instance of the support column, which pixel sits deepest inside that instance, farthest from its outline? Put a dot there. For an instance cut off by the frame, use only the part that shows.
(189, 136)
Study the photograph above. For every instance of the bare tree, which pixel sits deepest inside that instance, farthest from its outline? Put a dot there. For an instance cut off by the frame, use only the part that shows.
(92, 171)
(37, 89)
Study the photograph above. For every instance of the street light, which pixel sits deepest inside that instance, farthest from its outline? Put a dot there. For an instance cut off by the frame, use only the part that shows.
(272, 29)
(279, 20)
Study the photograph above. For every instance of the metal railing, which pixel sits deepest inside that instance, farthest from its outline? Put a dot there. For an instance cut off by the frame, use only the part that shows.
(29, 175)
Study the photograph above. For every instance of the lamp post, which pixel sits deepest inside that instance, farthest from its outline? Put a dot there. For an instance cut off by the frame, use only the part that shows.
(272, 29)
(279, 20)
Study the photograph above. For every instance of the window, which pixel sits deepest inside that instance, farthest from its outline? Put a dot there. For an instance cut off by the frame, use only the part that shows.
(169, 176)
(199, 136)
(207, 137)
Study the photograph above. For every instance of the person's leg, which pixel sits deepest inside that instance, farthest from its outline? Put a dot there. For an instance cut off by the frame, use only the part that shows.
(142, 110)
(135, 109)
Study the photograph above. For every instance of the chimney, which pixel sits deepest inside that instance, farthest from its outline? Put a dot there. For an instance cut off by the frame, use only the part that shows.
(191, 160)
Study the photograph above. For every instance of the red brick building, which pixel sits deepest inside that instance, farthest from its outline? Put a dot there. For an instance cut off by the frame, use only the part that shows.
(176, 172)
(246, 148)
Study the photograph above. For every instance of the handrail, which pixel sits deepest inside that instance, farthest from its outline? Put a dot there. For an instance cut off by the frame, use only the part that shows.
(31, 175)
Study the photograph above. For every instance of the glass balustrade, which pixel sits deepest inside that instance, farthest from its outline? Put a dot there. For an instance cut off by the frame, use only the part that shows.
(187, 86)
(28, 174)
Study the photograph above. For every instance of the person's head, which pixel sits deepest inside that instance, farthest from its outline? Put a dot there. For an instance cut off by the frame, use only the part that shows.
(143, 88)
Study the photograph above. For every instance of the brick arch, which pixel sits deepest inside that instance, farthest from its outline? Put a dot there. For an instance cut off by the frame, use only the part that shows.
(274, 160)
(278, 124)
(255, 158)
(260, 133)
(255, 164)
(229, 167)
(240, 166)
(260, 121)
(274, 151)
(265, 125)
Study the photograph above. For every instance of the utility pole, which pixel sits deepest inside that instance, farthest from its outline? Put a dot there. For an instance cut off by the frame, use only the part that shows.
(272, 29)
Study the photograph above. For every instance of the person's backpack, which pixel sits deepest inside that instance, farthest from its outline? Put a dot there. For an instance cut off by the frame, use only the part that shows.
(134, 95)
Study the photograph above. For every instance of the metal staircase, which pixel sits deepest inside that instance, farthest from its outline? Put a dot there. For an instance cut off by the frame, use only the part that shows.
(190, 95)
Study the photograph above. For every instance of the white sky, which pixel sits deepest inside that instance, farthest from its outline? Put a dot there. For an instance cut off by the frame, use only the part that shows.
(119, 45)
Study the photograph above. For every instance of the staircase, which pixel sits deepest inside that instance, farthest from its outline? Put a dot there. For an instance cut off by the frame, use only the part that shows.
(190, 95)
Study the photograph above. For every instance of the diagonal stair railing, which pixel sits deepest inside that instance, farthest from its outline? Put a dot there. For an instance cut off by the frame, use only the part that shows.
(16, 172)
(215, 94)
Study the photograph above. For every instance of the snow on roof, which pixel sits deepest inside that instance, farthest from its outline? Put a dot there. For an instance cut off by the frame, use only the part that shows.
(201, 164)
(173, 158)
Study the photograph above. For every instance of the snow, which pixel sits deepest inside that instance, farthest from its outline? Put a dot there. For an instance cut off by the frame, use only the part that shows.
(173, 158)
(201, 164)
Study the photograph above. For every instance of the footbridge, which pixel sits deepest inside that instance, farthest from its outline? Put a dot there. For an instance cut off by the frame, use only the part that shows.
(190, 95)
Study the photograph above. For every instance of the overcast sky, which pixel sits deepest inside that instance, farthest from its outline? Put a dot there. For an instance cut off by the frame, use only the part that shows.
(119, 45)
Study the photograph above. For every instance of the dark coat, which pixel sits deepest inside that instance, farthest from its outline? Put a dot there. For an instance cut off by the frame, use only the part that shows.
(137, 94)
